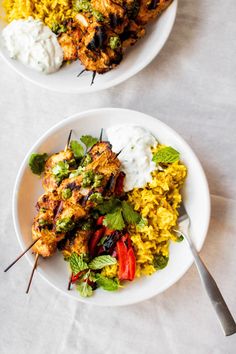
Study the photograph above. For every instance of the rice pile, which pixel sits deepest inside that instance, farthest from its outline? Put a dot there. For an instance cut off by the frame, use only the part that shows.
(157, 203)
(51, 12)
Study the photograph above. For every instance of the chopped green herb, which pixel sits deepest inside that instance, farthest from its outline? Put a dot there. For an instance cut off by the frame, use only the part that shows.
(97, 180)
(130, 216)
(114, 42)
(166, 155)
(37, 163)
(77, 172)
(88, 140)
(77, 263)
(102, 261)
(42, 210)
(99, 17)
(82, 5)
(86, 160)
(160, 261)
(87, 225)
(96, 198)
(57, 28)
(65, 225)
(77, 149)
(66, 193)
(43, 222)
(114, 220)
(107, 283)
(88, 178)
(61, 171)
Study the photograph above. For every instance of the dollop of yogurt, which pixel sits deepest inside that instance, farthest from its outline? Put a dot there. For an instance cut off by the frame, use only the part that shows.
(136, 156)
(33, 44)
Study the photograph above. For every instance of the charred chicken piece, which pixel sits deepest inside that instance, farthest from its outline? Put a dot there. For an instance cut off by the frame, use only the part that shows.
(50, 182)
(150, 9)
(76, 242)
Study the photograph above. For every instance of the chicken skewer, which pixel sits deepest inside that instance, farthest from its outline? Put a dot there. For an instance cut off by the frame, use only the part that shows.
(37, 254)
(51, 207)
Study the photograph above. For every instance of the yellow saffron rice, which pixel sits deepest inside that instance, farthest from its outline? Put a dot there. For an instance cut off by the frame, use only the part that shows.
(157, 203)
(51, 12)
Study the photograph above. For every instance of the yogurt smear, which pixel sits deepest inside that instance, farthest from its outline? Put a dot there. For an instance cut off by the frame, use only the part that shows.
(33, 44)
(136, 156)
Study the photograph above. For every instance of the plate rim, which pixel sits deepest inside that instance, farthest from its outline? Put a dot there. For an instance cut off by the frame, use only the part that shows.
(114, 82)
(60, 124)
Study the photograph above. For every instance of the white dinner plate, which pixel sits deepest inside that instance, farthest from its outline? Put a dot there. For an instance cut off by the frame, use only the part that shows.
(195, 194)
(135, 59)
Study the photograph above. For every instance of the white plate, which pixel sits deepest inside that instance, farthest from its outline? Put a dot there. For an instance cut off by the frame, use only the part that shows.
(196, 198)
(136, 58)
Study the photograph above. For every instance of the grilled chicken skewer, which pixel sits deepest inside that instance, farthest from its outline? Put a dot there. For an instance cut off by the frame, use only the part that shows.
(101, 32)
(57, 215)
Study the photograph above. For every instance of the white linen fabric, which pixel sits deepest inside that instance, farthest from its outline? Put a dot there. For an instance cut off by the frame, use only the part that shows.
(191, 86)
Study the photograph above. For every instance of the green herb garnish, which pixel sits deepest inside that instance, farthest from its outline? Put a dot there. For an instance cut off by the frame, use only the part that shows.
(97, 182)
(88, 178)
(166, 155)
(99, 17)
(77, 263)
(86, 160)
(82, 5)
(118, 213)
(160, 261)
(66, 193)
(37, 163)
(130, 216)
(65, 225)
(61, 171)
(84, 289)
(77, 149)
(96, 198)
(102, 261)
(88, 140)
(77, 172)
(107, 283)
(114, 42)
(114, 220)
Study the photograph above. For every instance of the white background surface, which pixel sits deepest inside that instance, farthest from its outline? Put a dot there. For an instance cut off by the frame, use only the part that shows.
(192, 87)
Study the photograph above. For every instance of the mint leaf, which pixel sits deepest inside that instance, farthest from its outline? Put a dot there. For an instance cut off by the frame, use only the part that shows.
(130, 216)
(102, 261)
(84, 289)
(77, 263)
(166, 155)
(114, 221)
(37, 163)
(107, 283)
(77, 149)
(160, 261)
(88, 140)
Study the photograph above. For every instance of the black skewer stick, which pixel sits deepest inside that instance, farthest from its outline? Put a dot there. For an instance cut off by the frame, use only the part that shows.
(68, 141)
(21, 255)
(100, 137)
(82, 71)
(32, 273)
(118, 153)
(93, 78)
(69, 283)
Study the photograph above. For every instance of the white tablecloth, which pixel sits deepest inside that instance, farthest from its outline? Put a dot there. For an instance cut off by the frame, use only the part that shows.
(191, 86)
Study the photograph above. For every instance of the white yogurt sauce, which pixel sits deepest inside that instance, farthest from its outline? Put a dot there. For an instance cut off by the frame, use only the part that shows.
(33, 44)
(136, 156)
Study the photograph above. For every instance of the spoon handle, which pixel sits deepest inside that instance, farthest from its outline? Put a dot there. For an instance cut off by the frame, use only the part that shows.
(222, 311)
